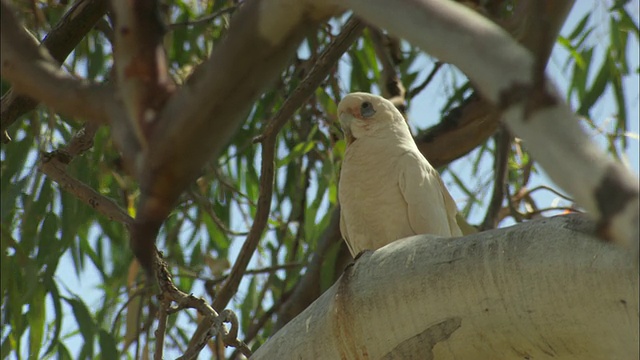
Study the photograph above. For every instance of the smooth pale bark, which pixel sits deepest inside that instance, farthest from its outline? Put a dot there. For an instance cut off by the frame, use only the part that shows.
(542, 289)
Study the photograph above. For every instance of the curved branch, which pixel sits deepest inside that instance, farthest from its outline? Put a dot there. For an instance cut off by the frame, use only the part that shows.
(141, 64)
(60, 41)
(500, 170)
(54, 165)
(260, 41)
(318, 73)
(32, 70)
(459, 132)
(473, 122)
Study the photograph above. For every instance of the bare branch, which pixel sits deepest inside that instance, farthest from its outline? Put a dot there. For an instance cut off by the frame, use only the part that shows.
(476, 119)
(318, 73)
(141, 64)
(204, 19)
(205, 204)
(62, 39)
(32, 70)
(212, 324)
(459, 132)
(261, 39)
(418, 89)
(391, 85)
(161, 331)
(266, 270)
(500, 168)
(527, 192)
(54, 165)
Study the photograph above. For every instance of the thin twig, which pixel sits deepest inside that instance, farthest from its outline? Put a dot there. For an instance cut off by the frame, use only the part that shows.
(528, 192)
(502, 148)
(130, 298)
(203, 203)
(418, 89)
(531, 214)
(54, 165)
(204, 19)
(326, 61)
(391, 85)
(267, 270)
(161, 331)
(513, 211)
(211, 324)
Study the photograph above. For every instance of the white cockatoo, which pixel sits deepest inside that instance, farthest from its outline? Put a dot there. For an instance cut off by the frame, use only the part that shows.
(388, 190)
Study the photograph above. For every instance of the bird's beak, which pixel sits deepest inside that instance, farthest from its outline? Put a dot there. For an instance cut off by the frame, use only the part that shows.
(345, 120)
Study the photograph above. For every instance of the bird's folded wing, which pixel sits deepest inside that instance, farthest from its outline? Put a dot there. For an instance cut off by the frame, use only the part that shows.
(345, 235)
(430, 208)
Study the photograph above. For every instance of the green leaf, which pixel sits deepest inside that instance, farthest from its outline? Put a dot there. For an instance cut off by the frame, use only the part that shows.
(36, 318)
(86, 324)
(596, 90)
(63, 352)
(621, 104)
(295, 153)
(108, 346)
(577, 57)
(49, 246)
(248, 304)
(580, 27)
(53, 291)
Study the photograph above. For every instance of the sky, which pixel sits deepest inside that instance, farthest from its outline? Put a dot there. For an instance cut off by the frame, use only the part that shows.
(425, 112)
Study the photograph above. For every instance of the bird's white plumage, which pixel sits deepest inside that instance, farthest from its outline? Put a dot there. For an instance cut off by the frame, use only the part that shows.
(387, 189)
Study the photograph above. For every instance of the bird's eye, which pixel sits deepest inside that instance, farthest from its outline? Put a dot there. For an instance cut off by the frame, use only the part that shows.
(366, 109)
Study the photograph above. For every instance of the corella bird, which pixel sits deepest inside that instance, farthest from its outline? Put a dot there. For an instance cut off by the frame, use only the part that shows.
(388, 190)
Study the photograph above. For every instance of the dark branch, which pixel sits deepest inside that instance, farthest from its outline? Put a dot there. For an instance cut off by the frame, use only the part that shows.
(62, 39)
(500, 167)
(318, 73)
(32, 70)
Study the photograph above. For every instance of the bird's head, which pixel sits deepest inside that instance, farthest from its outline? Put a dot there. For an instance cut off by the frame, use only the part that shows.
(367, 115)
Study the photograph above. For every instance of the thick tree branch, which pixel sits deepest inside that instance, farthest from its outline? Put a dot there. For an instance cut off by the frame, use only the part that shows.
(60, 41)
(260, 41)
(141, 64)
(483, 296)
(459, 132)
(476, 119)
(31, 70)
